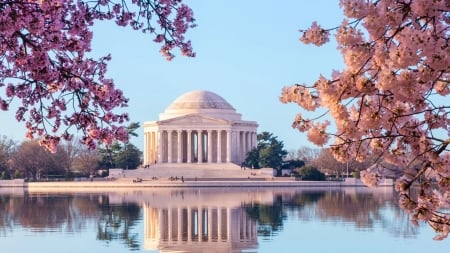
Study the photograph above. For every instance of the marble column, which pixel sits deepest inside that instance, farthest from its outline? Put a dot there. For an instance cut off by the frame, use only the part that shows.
(169, 146)
(228, 146)
(160, 156)
(249, 143)
(200, 146)
(219, 146)
(189, 145)
(154, 147)
(210, 147)
(179, 147)
(240, 144)
(146, 148)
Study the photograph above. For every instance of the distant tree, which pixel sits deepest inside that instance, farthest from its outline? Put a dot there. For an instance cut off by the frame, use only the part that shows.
(70, 150)
(292, 164)
(291, 154)
(307, 154)
(272, 151)
(87, 161)
(311, 173)
(132, 127)
(118, 155)
(108, 154)
(7, 148)
(269, 152)
(128, 158)
(326, 163)
(252, 159)
(34, 161)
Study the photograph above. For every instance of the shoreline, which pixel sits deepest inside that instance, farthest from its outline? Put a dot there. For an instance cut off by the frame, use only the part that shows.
(221, 183)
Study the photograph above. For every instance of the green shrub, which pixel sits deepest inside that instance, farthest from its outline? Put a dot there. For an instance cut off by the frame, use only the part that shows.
(311, 174)
(17, 174)
(4, 175)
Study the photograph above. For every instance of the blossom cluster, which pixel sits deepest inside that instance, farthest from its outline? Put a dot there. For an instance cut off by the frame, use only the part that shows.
(390, 101)
(43, 47)
(315, 35)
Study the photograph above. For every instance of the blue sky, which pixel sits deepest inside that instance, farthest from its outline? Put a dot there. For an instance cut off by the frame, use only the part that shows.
(246, 52)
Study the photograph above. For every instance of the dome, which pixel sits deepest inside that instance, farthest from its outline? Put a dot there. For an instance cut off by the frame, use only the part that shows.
(200, 102)
(200, 99)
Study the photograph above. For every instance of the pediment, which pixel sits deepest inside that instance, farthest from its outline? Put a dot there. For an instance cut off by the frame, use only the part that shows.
(195, 120)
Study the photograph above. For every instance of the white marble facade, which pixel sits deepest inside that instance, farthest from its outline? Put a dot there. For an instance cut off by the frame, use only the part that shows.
(198, 127)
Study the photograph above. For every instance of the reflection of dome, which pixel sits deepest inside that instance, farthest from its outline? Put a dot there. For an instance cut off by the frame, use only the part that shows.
(200, 102)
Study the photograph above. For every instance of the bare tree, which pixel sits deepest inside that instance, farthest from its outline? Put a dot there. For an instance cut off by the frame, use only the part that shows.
(34, 161)
(307, 154)
(71, 150)
(291, 155)
(86, 160)
(327, 163)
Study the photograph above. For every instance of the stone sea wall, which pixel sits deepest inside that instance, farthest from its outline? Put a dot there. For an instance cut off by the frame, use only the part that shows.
(127, 183)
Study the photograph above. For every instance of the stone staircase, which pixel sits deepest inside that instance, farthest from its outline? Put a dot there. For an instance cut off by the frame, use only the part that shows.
(194, 171)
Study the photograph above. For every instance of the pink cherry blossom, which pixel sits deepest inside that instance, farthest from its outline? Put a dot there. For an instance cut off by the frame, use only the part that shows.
(43, 48)
(315, 35)
(390, 101)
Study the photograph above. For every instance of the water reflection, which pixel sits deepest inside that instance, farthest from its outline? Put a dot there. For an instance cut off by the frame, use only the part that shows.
(195, 220)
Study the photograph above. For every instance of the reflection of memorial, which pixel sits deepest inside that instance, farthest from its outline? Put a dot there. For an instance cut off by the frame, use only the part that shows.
(198, 229)
(201, 220)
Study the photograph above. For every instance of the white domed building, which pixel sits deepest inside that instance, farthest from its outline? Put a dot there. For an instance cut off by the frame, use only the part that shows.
(198, 127)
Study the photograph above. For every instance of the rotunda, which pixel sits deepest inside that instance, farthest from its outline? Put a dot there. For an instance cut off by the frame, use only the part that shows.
(198, 127)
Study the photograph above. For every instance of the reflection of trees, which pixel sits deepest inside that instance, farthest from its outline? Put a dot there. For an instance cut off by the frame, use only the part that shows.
(364, 209)
(270, 217)
(6, 221)
(397, 221)
(71, 213)
(38, 212)
(300, 199)
(116, 223)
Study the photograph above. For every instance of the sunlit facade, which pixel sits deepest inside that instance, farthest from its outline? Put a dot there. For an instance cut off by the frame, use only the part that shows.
(199, 127)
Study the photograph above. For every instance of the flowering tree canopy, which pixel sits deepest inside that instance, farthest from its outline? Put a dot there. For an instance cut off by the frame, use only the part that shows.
(44, 46)
(390, 100)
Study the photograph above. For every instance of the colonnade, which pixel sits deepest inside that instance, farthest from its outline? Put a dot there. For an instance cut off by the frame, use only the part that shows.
(197, 145)
(197, 225)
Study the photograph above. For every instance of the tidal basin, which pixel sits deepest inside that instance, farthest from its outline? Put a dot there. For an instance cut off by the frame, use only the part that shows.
(238, 219)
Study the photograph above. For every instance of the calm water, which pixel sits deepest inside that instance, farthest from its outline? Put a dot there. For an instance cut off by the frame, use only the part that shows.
(211, 220)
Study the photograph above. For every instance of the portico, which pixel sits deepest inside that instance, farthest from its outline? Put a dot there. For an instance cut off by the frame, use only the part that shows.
(198, 127)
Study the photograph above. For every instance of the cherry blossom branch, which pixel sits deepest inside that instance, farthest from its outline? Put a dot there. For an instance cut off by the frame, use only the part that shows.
(43, 46)
(385, 101)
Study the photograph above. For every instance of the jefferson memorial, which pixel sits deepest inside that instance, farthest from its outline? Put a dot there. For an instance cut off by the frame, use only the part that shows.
(198, 127)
